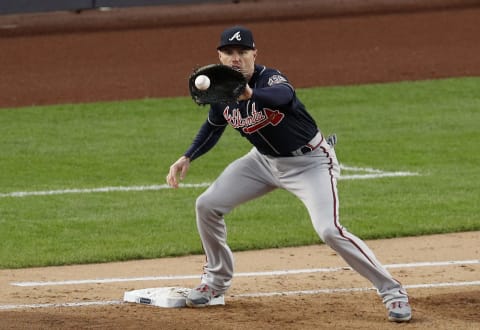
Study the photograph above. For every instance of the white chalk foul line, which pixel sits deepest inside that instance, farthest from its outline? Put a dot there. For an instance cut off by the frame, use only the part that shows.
(365, 173)
(340, 290)
(99, 190)
(246, 295)
(245, 274)
(69, 304)
(376, 175)
(371, 173)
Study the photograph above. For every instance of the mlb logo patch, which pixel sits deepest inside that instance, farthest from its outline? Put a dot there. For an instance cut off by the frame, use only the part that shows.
(276, 79)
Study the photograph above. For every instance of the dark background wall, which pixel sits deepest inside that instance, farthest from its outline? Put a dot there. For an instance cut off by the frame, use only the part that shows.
(24, 6)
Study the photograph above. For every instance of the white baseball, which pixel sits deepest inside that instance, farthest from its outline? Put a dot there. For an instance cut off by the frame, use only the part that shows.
(202, 82)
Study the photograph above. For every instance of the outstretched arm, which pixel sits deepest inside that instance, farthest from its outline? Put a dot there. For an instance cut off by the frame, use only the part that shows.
(207, 137)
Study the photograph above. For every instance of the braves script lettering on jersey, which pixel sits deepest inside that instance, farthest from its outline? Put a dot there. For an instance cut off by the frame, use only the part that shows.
(255, 121)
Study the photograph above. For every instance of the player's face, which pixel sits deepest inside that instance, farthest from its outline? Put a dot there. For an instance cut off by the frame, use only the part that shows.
(242, 59)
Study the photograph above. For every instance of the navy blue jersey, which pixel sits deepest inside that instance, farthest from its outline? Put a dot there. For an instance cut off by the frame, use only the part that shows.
(273, 119)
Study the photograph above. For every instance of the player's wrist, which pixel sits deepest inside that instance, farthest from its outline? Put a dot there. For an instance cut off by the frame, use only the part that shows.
(247, 94)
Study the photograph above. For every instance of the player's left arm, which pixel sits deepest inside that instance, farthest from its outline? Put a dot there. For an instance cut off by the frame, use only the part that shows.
(273, 96)
(274, 91)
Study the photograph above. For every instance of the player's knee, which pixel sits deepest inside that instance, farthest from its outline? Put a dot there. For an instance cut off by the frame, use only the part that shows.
(329, 235)
(202, 203)
(205, 206)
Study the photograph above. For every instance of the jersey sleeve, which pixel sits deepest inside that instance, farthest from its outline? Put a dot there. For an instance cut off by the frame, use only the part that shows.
(273, 89)
(206, 138)
(273, 96)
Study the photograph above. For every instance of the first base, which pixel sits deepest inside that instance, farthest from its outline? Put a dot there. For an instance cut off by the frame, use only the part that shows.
(168, 297)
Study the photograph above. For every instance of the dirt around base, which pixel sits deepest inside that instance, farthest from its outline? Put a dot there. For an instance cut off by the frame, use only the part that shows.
(422, 262)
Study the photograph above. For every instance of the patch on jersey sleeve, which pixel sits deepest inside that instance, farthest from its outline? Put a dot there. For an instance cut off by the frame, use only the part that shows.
(276, 79)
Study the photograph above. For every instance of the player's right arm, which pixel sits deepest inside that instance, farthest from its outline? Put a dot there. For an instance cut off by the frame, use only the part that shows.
(206, 138)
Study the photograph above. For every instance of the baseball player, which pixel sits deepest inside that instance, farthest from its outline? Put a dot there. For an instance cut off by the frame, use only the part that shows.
(289, 152)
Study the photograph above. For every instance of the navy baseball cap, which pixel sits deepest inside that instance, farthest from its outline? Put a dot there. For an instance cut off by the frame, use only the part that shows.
(237, 36)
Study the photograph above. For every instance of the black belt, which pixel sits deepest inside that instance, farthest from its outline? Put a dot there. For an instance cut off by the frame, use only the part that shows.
(310, 146)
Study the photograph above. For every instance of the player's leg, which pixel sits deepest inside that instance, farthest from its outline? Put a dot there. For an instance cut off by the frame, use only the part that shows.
(316, 187)
(243, 180)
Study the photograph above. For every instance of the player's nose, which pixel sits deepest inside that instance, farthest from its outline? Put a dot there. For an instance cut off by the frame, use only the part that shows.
(235, 56)
(236, 61)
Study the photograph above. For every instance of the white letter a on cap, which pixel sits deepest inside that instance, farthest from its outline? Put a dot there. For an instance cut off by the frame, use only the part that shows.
(236, 36)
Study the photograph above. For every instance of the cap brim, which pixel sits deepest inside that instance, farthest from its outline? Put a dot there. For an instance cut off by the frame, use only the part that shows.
(233, 45)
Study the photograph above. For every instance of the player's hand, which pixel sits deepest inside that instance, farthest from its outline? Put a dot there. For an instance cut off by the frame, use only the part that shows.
(180, 166)
(247, 94)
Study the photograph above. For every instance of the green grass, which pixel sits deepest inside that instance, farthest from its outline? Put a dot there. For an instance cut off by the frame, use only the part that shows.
(429, 127)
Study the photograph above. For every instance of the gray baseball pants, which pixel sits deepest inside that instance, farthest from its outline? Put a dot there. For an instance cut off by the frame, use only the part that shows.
(312, 178)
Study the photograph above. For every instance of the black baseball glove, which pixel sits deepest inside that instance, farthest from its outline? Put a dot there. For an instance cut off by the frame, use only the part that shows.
(226, 84)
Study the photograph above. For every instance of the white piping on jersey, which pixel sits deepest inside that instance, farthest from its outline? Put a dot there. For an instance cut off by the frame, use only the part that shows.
(264, 68)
